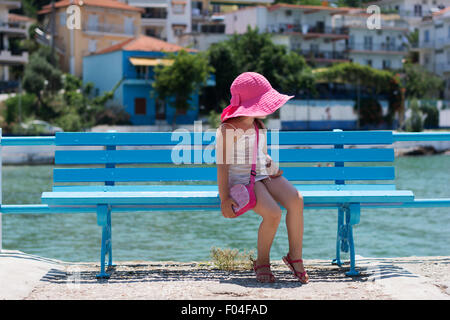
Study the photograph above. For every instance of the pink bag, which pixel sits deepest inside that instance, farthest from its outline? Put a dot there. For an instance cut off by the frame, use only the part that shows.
(244, 195)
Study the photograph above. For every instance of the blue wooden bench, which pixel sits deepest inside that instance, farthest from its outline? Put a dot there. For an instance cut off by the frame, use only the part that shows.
(103, 178)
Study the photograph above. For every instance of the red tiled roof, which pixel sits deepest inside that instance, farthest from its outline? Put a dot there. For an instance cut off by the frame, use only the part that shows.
(145, 43)
(93, 3)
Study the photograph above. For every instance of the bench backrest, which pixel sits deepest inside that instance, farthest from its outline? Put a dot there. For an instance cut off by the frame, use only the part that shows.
(115, 159)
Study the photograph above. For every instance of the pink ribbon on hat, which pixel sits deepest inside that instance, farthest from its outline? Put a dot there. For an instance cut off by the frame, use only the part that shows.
(235, 100)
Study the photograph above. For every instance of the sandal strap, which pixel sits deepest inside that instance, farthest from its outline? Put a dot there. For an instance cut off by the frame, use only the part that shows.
(293, 261)
(255, 267)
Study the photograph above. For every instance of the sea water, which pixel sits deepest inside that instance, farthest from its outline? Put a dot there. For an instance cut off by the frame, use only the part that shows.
(189, 236)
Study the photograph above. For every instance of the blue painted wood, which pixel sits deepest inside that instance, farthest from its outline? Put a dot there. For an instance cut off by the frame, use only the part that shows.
(211, 197)
(74, 208)
(188, 138)
(421, 136)
(187, 156)
(210, 174)
(27, 141)
(197, 187)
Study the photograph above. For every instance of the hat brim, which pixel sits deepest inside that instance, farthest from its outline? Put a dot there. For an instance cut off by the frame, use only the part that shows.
(260, 106)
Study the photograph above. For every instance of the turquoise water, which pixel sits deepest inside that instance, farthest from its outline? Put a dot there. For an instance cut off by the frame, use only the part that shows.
(187, 236)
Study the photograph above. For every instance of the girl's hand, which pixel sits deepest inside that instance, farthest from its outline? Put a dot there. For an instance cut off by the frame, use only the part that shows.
(279, 173)
(227, 210)
(272, 167)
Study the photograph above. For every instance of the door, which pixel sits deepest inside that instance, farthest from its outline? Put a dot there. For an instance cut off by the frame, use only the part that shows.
(140, 106)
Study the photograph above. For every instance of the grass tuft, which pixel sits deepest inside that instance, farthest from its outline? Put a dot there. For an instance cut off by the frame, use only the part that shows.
(232, 259)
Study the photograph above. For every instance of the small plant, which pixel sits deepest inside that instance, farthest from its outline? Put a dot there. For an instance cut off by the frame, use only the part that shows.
(232, 259)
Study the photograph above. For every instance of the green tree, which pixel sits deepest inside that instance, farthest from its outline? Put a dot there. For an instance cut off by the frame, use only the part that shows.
(377, 81)
(414, 122)
(226, 68)
(420, 83)
(176, 83)
(43, 79)
(254, 51)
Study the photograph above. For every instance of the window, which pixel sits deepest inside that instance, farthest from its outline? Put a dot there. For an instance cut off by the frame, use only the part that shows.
(92, 45)
(128, 26)
(417, 10)
(178, 31)
(62, 18)
(140, 106)
(142, 72)
(448, 34)
(216, 8)
(92, 22)
(448, 57)
(426, 36)
(367, 43)
(369, 62)
(386, 64)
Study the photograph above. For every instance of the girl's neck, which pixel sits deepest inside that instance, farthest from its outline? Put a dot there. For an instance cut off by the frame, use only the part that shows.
(246, 122)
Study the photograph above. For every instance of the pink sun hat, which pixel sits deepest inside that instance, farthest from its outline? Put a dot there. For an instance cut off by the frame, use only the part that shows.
(252, 95)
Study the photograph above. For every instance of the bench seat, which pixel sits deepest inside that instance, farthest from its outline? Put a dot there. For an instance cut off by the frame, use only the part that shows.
(208, 195)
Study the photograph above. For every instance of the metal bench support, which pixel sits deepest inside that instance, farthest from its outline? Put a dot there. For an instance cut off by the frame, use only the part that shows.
(344, 239)
(104, 220)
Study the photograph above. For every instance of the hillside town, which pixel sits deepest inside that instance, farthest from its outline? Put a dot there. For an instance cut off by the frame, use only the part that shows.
(71, 65)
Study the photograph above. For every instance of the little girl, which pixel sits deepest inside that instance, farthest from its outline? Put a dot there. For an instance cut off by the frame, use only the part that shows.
(253, 98)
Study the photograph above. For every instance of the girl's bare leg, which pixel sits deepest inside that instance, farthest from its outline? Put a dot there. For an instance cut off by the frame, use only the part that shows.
(270, 211)
(290, 198)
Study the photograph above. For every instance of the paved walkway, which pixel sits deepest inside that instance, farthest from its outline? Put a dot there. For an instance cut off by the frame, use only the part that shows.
(24, 276)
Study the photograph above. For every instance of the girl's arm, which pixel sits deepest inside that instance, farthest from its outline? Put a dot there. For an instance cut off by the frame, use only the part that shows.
(222, 162)
(270, 164)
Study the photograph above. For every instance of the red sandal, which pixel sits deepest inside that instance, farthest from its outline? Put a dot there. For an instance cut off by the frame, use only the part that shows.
(301, 276)
(259, 274)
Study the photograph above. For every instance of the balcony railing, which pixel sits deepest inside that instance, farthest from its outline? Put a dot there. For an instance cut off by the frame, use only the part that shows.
(377, 47)
(13, 27)
(327, 55)
(109, 28)
(305, 29)
(7, 57)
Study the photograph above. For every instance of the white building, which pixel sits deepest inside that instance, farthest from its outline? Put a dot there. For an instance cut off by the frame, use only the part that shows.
(196, 23)
(164, 19)
(306, 29)
(383, 48)
(412, 10)
(10, 27)
(434, 45)
(208, 21)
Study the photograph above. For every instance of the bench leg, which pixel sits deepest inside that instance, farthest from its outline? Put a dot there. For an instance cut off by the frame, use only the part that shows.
(352, 218)
(337, 261)
(109, 240)
(104, 220)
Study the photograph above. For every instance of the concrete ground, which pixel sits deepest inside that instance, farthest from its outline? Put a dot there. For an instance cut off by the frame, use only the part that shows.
(25, 276)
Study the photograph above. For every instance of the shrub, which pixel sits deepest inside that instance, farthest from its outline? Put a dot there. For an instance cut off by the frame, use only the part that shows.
(19, 105)
(414, 123)
(231, 259)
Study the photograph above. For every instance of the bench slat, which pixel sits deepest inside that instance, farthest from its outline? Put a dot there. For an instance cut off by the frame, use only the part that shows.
(210, 174)
(197, 187)
(211, 197)
(205, 138)
(189, 156)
